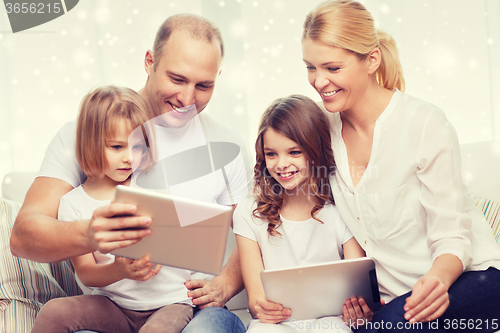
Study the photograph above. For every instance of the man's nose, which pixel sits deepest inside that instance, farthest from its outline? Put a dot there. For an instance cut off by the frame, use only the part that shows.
(187, 95)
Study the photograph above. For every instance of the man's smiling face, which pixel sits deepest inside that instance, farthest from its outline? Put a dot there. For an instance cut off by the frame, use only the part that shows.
(184, 79)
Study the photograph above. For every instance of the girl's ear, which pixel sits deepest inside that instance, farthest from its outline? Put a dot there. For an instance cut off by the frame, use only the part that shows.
(374, 58)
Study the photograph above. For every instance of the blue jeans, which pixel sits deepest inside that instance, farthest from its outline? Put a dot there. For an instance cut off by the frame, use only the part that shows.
(474, 306)
(214, 320)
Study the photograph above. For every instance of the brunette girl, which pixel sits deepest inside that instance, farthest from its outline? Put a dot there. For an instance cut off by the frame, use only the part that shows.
(292, 219)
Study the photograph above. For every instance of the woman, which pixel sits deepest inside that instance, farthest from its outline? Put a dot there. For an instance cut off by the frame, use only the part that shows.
(398, 184)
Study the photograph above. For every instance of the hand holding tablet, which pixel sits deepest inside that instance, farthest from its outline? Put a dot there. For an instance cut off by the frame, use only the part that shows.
(185, 233)
(320, 290)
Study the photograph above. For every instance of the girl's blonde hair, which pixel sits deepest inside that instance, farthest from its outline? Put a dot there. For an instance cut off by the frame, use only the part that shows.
(99, 113)
(347, 24)
(301, 120)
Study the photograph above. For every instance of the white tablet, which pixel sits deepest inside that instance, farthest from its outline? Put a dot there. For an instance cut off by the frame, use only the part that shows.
(187, 234)
(320, 290)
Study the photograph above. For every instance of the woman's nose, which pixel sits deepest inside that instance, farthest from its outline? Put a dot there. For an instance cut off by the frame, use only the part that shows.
(320, 81)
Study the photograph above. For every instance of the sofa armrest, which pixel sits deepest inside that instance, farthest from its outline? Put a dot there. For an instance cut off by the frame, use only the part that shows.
(16, 184)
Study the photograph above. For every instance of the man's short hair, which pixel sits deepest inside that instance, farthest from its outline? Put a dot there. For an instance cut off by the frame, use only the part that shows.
(196, 26)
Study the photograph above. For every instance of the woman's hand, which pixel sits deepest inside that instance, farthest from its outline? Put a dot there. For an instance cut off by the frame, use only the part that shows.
(356, 312)
(270, 312)
(428, 300)
(139, 270)
(429, 297)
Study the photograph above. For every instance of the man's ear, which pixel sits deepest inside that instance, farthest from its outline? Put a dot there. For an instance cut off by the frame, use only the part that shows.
(149, 62)
(374, 60)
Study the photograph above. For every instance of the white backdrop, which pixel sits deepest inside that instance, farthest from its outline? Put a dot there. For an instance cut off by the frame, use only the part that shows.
(450, 51)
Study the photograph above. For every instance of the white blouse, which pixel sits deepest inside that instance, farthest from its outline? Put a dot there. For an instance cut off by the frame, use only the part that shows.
(410, 206)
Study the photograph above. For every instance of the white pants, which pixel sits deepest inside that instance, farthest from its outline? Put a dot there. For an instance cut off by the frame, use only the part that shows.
(320, 325)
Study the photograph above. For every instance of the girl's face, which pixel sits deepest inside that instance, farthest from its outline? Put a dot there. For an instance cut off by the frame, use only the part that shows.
(336, 74)
(123, 151)
(285, 160)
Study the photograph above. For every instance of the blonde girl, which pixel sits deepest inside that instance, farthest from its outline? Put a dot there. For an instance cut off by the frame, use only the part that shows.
(291, 220)
(113, 140)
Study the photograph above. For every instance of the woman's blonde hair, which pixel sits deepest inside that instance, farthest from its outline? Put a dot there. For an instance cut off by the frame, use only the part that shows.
(347, 24)
(98, 116)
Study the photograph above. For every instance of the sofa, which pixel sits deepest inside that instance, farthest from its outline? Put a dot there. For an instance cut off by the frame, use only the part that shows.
(26, 285)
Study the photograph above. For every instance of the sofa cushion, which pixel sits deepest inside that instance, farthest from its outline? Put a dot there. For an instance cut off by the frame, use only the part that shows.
(26, 285)
(491, 211)
(23, 313)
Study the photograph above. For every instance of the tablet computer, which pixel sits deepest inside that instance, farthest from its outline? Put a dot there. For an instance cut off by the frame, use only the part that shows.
(320, 290)
(186, 233)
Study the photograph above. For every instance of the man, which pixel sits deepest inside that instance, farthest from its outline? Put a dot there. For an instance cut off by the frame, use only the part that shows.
(182, 69)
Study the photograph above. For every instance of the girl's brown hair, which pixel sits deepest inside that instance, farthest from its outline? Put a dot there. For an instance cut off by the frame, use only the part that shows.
(98, 115)
(349, 25)
(301, 120)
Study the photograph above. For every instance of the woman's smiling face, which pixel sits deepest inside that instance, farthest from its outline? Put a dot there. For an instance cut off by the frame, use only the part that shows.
(336, 74)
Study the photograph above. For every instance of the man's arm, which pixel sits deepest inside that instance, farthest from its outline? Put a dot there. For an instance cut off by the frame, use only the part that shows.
(220, 290)
(39, 236)
(222, 287)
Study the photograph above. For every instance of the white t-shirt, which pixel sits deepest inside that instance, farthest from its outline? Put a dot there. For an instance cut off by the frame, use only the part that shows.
(410, 205)
(60, 159)
(184, 162)
(302, 242)
(167, 287)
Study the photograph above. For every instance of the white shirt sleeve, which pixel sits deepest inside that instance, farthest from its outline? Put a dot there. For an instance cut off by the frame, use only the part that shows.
(237, 181)
(341, 231)
(243, 220)
(345, 232)
(442, 196)
(67, 211)
(60, 160)
(240, 171)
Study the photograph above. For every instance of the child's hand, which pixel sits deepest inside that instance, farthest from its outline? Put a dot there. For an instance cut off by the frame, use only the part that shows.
(356, 312)
(140, 270)
(270, 312)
